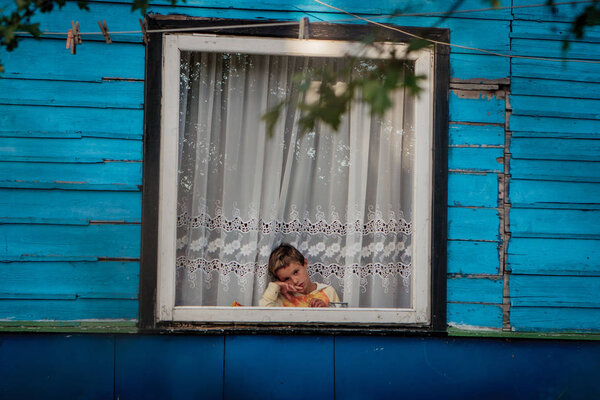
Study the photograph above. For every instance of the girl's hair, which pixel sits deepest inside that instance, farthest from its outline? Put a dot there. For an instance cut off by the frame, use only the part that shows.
(284, 255)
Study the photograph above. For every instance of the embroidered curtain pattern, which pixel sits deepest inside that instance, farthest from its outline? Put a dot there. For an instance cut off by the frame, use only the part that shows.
(342, 198)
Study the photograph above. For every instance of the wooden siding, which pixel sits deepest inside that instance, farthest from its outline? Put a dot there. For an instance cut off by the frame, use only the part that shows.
(71, 164)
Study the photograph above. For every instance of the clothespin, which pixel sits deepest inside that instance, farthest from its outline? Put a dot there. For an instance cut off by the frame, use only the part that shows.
(144, 33)
(73, 37)
(303, 29)
(104, 31)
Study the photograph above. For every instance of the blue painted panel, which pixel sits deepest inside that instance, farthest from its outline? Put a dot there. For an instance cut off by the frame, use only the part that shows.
(527, 222)
(555, 149)
(483, 159)
(470, 289)
(169, 367)
(555, 88)
(56, 367)
(473, 190)
(564, 107)
(474, 135)
(265, 367)
(98, 176)
(565, 12)
(68, 309)
(471, 257)
(473, 223)
(557, 125)
(98, 122)
(575, 171)
(68, 206)
(555, 291)
(69, 149)
(120, 94)
(419, 368)
(58, 242)
(554, 49)
(474, 315)
(555, 319)
(554, 256)
(477, 68)
(547, 194)
(551, 31)
(483, 108)
(122, 60)
(53, 280)
(581, 72)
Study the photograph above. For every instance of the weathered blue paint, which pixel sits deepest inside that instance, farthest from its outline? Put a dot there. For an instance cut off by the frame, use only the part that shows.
(473, 257)
(554, 256)
(473, 223)
(548, 194)
(483, 108)
(475, 315)
(553, 319)
(475, 135)
(559, 170)
(527, 222)
(555, 291)
(470, 289)
(481, 159)
(476, 190)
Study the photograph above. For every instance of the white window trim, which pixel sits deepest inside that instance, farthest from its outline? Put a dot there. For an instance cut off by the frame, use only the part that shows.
(419, 314)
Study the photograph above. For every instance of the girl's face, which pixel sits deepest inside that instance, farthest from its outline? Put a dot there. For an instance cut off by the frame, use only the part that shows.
(296, 274)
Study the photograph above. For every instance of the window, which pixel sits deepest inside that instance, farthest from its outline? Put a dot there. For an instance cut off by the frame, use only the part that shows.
(359, 203)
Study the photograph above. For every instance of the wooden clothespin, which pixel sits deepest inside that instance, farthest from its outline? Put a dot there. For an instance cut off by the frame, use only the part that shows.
(73, 37)
(303, 29)
(104, 31)
(144, 33)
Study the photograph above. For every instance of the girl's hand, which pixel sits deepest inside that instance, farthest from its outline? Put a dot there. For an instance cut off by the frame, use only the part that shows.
(316, 303)
(287, 289)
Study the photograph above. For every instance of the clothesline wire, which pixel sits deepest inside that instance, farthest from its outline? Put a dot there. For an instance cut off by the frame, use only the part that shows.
(370, 21)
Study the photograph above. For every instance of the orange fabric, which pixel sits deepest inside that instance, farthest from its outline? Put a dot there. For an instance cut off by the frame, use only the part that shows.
(303, 300)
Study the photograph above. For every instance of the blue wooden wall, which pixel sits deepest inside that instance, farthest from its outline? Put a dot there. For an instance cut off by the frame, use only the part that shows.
(283, 367)
(524, 165)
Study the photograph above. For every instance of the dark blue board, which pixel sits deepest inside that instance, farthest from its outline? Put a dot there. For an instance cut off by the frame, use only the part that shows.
(169, 367)
(420, 368)
(56, 367)
(279, 367)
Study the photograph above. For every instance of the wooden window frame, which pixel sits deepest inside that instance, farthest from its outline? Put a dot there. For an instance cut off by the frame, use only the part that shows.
(153, 317)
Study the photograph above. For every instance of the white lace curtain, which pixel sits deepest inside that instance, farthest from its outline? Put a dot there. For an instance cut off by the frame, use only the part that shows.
(342, 198)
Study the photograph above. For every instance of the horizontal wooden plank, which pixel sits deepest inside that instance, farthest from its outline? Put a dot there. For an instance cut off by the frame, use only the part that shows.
(576, 171)
(478, 68)
(542, 148)
(90, 150)
(68, 206)
(474, 315)
(576, 127)
(478, 190)
(98, 122)
(568, 71)
(554, 88)
(563, 12)
(64, 310)
(555, 223)
(562, 107)
(461, 134)
(554, 291)
(548, 194)
(473, 106)
(555, 319)
(123, 60)
(65, 242)
(553, 256)
(98, 176)
(473, 223)
(355, 6)
(47, 280)
(103, 94)
(474, 290)
(472, 257)
(551, 31)
(483, 159)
